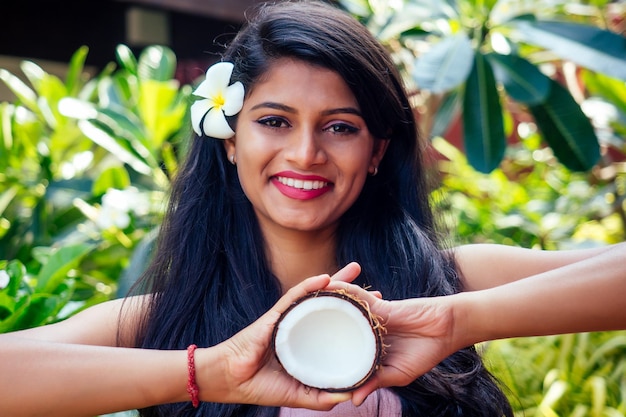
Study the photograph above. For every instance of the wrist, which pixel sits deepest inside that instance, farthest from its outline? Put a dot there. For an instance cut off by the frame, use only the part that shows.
(467, 323)
(209, 376)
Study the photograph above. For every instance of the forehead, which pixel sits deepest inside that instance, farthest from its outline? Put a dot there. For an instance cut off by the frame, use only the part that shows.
(292, 79)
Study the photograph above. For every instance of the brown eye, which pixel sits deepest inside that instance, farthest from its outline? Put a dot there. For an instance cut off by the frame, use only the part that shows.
(342, 128)
(273, 122)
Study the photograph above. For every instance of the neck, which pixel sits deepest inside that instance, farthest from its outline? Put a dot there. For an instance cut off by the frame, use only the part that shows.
(297, 255)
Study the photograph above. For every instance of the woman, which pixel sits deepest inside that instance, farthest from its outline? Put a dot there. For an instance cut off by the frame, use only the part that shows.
(324, 105)
(316, 165)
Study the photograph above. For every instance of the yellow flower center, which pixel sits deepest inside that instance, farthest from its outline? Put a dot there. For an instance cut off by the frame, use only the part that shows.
(219, 100)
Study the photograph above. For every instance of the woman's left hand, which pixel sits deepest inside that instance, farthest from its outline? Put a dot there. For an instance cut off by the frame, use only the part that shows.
(418, 335)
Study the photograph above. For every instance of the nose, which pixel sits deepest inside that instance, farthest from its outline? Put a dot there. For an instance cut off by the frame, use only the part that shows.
(305, 148)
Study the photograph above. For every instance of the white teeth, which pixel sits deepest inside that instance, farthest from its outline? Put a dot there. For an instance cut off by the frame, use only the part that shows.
(302, 184)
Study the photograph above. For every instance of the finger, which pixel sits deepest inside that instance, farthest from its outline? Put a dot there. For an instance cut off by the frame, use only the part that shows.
(314, 399)
(348, 273)
(327, 400)
(361, 393)
(361, 293)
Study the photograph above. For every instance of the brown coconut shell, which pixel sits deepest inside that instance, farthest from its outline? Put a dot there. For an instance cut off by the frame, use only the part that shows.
(378, 330)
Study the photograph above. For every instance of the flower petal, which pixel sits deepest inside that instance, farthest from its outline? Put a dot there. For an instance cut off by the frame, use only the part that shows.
(216, 126)
(198, 110)
(216, 80)
(204, 89)
(233, 99)
(220, 73)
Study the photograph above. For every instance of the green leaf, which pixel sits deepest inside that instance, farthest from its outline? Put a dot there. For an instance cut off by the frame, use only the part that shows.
(610, 89)
(156, 63)
(23, 92)
(108, 142)
(523, 81)
(447, 110)
(34, 73)
(118, 89)
(126, 58)
(116, 129)
(483, 125)
(11, 322)
(588, 46)
(17, 272)
(161, 111)
(567, 130)
(127, 125)
(446, 65)
(7, 196)
(113, 177)
(75, 70)
(612, 346)
(41, 310)
(7, 305)
(403, 20)
(58, 265)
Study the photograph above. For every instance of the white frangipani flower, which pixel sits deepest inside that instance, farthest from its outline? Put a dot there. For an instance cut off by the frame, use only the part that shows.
(4, 279)
(208, 116)
(117, 206)
(112, 217)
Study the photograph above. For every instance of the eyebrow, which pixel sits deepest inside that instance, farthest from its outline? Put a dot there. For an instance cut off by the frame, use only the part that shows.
(289, 109)
(273, 105)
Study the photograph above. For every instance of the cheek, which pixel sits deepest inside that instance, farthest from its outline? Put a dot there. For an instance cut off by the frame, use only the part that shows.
(247, 172)
(355, 173)
(251, 168)
(357, 161)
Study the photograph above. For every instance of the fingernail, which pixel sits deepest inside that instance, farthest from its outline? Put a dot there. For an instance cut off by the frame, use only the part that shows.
(340, 397)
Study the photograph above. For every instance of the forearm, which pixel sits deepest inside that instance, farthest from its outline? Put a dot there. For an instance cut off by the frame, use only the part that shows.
(583, 296)
(54, 379)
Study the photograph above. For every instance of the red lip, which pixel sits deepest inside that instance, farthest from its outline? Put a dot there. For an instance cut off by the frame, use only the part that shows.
(299, 193)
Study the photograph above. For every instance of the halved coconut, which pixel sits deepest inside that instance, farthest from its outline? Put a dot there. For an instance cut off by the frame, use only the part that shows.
(329, 340)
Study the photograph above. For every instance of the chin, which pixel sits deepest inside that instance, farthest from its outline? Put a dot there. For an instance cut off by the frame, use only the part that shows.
(307, 225)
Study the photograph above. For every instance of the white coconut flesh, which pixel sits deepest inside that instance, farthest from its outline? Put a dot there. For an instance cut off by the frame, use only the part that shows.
(328, 341)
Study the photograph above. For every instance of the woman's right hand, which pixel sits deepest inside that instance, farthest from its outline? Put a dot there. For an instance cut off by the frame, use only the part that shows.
(250, 372)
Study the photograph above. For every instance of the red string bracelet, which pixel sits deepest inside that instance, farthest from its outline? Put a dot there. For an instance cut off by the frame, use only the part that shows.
(192, 387)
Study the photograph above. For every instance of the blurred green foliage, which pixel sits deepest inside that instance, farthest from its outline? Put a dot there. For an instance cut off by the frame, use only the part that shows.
(574, 375)
(479, 59)
(85, 164)
(533, 201)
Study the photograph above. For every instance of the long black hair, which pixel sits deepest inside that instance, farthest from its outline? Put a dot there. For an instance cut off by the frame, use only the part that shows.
(210, 276)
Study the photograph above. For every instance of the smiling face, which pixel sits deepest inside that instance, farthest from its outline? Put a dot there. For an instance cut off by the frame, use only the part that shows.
(302, 148)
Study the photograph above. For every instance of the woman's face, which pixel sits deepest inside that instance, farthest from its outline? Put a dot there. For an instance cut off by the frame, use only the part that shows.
(302, 148)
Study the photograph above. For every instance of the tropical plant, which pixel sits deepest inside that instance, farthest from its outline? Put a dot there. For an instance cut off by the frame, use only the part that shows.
(490, 59)
(531, 201)
(576, 375)
(84, 166)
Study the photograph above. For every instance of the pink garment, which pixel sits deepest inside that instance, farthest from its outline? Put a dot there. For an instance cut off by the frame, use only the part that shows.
(382, 402)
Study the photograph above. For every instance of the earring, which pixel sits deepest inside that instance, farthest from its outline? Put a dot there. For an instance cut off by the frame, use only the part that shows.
(373, 174)
(232, 159)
